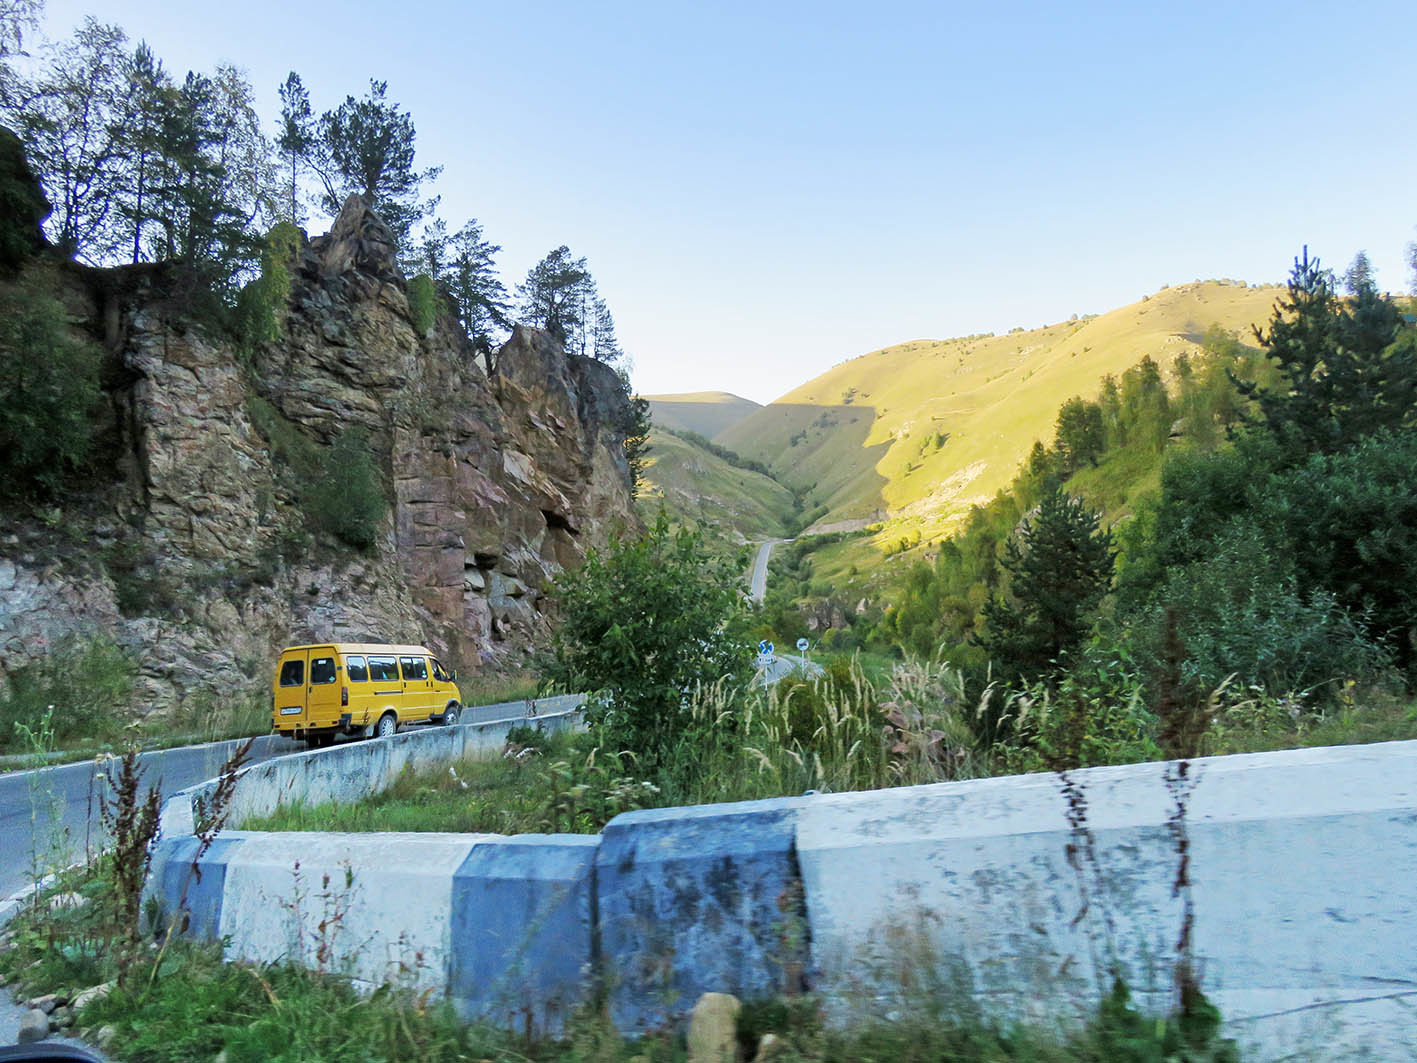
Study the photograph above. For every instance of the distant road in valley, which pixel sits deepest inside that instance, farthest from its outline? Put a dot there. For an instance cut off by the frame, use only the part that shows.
(52, 805)
(759, 585)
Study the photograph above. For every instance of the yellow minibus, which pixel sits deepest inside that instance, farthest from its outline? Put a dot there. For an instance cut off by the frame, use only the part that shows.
(359, 688)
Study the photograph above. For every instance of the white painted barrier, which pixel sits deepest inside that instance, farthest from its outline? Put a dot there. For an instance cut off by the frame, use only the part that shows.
(1303, 863)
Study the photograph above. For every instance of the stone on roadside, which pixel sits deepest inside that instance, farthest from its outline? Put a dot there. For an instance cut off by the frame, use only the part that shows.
(105, 1036)
(713, 1029)
(46, 1003)
(34, 1026)
(769, 1048)
(88, 996)
(61, 1018)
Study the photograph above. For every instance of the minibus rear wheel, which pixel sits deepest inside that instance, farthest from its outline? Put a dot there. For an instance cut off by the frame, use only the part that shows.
(387, 725)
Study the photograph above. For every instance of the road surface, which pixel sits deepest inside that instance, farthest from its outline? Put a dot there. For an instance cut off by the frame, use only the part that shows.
(759, 584)
(53, 811)
(781, 665)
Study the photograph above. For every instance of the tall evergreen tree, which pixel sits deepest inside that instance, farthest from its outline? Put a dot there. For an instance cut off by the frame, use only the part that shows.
(605, 345)
(150, 97)
(552, 295)
(1359, 275)
(367, 147)
(1060, 564)
(476, 290)
(296, 137)
(1347, 369)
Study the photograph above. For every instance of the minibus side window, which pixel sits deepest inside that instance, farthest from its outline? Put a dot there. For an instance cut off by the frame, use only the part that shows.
(292, 674)
(414, 668)
(358, 670)
(438, 672)
(322, 670)
(384, 669)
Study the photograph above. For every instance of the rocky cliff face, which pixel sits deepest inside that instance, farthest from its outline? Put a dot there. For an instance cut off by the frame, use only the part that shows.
(192, 550)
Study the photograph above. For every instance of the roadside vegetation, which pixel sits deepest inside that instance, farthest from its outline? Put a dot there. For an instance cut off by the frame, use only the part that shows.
(70, 706)
(122, 975)
(1235, 532)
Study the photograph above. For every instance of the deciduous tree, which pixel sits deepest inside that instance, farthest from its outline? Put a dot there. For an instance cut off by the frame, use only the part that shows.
(643, 623)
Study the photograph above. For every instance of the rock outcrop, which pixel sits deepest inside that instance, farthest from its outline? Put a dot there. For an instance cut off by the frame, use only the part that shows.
(193, 552)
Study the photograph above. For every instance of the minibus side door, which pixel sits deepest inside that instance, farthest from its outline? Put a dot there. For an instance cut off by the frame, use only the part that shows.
(322, 689)
(290, 690)
(417, 687)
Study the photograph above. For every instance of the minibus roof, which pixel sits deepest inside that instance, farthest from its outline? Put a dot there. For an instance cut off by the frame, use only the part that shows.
(365, 648)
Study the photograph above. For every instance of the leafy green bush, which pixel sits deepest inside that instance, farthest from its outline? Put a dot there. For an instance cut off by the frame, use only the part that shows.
(261, 304)
(1240, 613)
(348, 499)
(1349, 521)
(1096, 713)
(22, 204)
(422, 303)
(643, 623)
(81, 688)
(49, 386)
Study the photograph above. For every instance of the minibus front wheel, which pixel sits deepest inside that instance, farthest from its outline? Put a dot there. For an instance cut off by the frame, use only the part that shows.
(450, 714)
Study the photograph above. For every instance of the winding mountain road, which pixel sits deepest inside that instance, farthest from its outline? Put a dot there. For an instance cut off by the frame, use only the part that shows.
(51, 813)
(758, 586)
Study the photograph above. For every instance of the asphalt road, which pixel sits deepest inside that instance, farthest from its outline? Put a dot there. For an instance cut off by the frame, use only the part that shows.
(759, 584)
(53, 812)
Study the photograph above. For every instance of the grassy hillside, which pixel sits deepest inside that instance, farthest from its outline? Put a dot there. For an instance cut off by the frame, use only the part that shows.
(920, 431)
(697, 486)
(705, 412)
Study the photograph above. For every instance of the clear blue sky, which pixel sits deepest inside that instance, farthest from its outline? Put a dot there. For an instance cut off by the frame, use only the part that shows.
(763, 190)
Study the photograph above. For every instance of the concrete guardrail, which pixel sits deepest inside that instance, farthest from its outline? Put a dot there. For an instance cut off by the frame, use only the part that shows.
(1302, 866)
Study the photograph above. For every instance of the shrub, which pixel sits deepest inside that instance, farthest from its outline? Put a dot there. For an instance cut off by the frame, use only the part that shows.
(348, 500)
(261, 304)
(422, 303)
(82, 687)
(644, 622)
(1241, 613)
(1095, 713)
(49, 387)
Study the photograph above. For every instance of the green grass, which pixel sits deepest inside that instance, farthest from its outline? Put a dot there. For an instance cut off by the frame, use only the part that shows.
(182, 1002)
(496, 795)
(867, 431)
(697, 487)
(831, 735)
(494, 689)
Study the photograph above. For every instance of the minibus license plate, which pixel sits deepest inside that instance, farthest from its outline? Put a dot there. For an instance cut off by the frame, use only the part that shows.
(291, 710)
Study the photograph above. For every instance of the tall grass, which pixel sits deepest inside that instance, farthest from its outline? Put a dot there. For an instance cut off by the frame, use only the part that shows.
(833, 733)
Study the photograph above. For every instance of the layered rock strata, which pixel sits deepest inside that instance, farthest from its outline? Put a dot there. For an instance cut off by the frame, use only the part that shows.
(192, 549)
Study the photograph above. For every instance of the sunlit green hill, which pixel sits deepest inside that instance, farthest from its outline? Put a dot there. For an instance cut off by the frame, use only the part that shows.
(697, 486)
(918, 432)
(706, 412)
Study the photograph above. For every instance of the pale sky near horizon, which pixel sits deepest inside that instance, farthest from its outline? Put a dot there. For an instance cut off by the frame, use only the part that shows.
(764, 190)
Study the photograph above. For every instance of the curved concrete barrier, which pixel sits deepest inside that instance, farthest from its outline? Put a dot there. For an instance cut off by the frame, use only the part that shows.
(1301, 863)
(350, 771)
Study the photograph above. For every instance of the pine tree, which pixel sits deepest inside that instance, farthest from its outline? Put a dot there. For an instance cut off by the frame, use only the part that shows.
(296, 138)
(552, 295)
(1060, 564)
(1348, 368)
(476, 290)
(367, 147)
